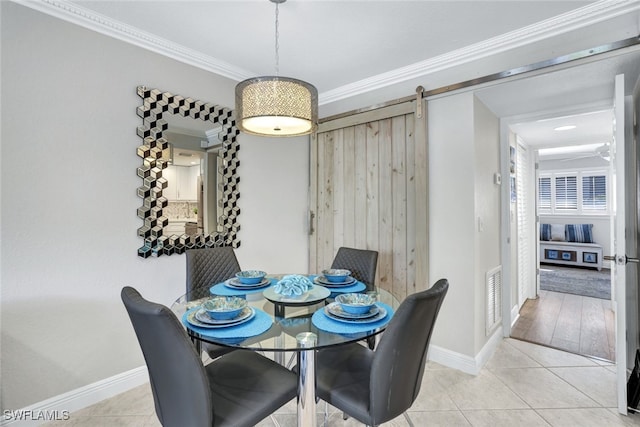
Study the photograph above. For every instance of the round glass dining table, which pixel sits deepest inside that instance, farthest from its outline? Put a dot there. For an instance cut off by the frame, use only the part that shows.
(282, 324)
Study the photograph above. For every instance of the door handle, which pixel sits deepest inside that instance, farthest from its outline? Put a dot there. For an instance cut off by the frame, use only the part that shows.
(620, 259)
(312, 215)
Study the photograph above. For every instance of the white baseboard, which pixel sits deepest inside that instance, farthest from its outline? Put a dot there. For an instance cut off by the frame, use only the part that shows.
(462, 362)
(57, 407)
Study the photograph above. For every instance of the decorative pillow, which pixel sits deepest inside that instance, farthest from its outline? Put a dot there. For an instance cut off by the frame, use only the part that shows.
(579, 233)
(557, 232)
(545, 231)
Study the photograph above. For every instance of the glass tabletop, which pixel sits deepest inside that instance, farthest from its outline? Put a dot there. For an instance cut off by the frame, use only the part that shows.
(273, 326)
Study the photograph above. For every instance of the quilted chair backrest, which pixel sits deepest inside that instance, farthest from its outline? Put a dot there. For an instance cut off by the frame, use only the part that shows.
(208, 266)
(399, 360)
(361, 262)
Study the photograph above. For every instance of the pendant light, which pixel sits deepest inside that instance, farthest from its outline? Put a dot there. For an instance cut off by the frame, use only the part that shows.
(275, 105)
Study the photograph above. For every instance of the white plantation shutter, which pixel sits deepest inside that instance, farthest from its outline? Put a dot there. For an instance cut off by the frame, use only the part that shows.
(544, 193)
(524, 242)
(566, 192)
(594, 192)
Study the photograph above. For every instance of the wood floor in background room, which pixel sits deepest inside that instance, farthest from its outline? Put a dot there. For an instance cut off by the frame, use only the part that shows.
(573, 323)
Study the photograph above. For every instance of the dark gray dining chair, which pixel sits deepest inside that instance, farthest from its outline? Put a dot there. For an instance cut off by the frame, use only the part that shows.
(208, 266)
(361, 262)
(376, 386)
(205, 268)
(237, 389)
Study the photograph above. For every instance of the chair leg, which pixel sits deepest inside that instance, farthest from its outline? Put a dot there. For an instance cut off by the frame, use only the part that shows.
(326, 413)
(371, 342)
(290, 362)
(275, 422)
(408, 419)
(345, 416)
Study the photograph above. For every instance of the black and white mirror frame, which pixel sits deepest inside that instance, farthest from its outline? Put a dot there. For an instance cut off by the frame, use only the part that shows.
(155, 159)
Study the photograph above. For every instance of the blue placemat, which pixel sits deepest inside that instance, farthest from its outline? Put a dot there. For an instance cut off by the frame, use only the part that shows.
(324, 322)
(356, 287)
(225, 291)
(260, 323)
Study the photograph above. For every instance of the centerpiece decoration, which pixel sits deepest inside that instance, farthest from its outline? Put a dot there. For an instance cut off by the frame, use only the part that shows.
(293, 285)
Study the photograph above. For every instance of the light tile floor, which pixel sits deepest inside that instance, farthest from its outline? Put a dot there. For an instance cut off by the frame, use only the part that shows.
(522, 385)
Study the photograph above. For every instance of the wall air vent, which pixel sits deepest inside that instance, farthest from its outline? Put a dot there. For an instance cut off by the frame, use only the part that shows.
(493, 288)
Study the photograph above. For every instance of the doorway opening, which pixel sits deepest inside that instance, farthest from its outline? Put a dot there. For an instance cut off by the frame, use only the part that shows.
(563, 186)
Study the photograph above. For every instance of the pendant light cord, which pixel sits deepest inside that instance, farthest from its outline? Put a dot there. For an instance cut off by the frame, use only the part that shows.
(277, 43)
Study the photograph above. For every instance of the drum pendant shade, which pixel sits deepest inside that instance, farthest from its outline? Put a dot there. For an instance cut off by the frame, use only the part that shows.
(276, 106)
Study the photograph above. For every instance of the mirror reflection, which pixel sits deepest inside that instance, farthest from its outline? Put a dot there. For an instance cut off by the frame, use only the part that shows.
(192, 177)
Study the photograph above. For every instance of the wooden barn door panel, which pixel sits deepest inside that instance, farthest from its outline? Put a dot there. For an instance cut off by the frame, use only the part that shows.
(369, 191)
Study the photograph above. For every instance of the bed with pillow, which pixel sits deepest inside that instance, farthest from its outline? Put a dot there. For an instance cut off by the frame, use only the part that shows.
(569, 244)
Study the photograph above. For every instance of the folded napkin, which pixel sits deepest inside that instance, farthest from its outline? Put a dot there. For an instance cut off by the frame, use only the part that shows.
(293, 285)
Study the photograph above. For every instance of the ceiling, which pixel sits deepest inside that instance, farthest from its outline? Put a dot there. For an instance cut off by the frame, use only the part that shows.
(327, 43)
(591, 127)
(349, 44)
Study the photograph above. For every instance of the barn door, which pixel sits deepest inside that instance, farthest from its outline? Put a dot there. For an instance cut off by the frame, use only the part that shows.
(369, 190)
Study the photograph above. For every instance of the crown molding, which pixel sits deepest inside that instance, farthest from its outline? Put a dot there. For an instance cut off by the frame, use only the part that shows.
(591, 14)
(583, 17)
(91, 20)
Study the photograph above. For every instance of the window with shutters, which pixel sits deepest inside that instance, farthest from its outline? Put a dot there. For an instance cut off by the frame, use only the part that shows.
(566, 195)
(575, 192)
(544, 193)
(594, 193)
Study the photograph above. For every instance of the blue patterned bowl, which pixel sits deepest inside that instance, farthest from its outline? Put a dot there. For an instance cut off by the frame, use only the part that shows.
(224, 308)
(355, 303)
(336, 274)
(250, 277)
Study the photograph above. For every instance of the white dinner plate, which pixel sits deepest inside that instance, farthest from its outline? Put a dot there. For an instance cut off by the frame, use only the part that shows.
(336, 309)
(234, 283)
(203, 316)
(321, 280)
(381, 315)
(191, 318)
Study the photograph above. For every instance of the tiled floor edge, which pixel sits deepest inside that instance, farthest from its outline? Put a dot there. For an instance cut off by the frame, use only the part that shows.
(463, 362)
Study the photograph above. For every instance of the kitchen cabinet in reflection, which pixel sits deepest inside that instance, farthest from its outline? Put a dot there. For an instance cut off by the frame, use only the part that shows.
(182, 183)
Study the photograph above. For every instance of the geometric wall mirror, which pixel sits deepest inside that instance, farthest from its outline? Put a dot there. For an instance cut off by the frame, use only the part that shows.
(193, 204)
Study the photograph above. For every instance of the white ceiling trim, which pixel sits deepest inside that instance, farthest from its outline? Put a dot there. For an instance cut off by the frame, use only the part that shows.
(102, 24)
(579, 18)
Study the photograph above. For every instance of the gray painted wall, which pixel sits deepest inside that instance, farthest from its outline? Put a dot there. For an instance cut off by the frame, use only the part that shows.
(69, 202)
